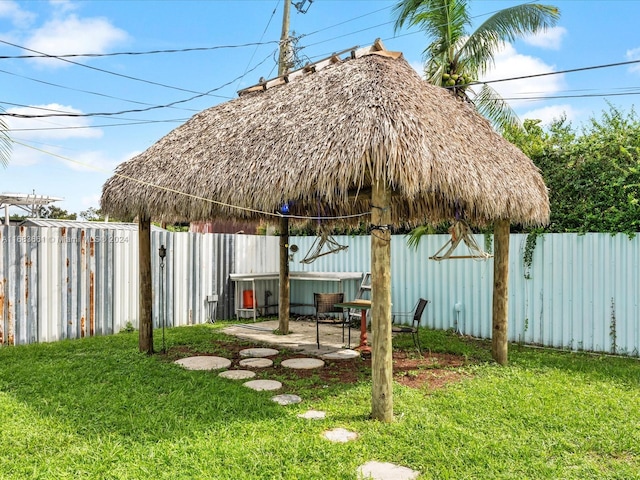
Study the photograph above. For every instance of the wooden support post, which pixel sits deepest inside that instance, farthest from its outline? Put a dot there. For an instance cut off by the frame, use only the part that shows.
(284, 297)
(499, 337)
(381, 353)
(145, 314)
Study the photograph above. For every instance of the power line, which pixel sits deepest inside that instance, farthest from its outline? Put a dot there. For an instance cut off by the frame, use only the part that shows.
(522, 77)
(80, 90)
(571, 70)
(79, 127)
(150, 82)
(261, 37)
(149, 52)
(138, 110)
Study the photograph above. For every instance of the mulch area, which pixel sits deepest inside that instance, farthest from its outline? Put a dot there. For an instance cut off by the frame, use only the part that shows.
(429, 371)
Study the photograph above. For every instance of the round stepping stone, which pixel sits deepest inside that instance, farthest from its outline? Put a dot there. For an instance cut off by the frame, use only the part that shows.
(313, 415)
(287, 399)
(258, 352)
(261, 385)
(204, 363)
(340, 435)
(345, 354)
(303, 363)
(256, 362)
(385, 471)
(237, 374)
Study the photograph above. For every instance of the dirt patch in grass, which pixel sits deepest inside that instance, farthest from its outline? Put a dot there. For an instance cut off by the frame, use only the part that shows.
(430, 371)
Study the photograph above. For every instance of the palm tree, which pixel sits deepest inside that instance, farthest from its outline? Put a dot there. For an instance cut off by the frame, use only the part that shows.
(455, 58)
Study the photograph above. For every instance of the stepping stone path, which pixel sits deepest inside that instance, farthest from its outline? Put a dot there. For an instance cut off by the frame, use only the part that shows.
(258, 352)
(261, 385)
(313, 415)
(204, 363)
(256, 362)
(237, 374)
(345, 354)
(287, 399)
(385, 471)
(303, 363)
(340, 435)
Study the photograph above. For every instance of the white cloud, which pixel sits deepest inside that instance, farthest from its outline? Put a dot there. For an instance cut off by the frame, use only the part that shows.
(634, 54)
(509, 64)
(19, 17)
(550, 39)
(554, 112)
(64, 35)
(63, 6)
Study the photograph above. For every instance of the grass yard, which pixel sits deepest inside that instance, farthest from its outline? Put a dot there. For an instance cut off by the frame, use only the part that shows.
(97, 409)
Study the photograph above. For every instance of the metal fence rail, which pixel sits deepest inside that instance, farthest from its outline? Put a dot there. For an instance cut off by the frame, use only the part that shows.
(578, 292)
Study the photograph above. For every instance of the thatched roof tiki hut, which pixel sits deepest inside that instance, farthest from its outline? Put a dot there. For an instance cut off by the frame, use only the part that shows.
(363, 134)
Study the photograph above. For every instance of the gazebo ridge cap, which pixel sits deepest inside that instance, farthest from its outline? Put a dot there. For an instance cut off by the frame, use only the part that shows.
(377, 48)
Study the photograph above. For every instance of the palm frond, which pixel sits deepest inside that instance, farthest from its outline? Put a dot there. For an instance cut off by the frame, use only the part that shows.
(506, 26)
(493, 107)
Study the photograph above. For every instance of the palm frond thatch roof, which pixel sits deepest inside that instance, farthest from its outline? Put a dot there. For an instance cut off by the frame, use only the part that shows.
(317, 143)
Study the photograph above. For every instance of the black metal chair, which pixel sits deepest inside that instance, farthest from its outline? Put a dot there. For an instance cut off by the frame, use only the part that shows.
(324, 303)
(414, 328)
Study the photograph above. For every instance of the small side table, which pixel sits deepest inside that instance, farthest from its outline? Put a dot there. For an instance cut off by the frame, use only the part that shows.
(363, 306)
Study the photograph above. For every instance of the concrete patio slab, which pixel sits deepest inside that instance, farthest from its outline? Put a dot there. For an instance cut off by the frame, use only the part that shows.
(301, 337)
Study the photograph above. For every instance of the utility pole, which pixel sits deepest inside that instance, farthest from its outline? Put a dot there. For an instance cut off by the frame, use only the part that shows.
(284, 62)
(284, 292)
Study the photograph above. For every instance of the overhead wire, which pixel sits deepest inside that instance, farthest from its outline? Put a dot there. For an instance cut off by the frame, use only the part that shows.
(137, 110)
(149, 52)
(79, 127)
(129, 77)
(83, 91)
(261, 37)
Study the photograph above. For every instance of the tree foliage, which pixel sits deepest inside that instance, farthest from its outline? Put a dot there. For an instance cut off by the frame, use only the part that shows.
(57, 213)
(593, 174)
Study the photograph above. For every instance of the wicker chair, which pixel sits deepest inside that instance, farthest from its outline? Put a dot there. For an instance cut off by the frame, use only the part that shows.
(324, 303)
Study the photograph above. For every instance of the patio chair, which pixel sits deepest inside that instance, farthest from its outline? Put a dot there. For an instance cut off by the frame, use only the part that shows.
(324, 303)
(414, 327)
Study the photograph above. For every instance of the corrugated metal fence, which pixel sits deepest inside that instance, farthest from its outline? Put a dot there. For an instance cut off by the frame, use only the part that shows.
(59, 282)
(578, 292)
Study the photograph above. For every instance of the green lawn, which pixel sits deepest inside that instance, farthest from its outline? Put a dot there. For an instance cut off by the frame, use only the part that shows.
(96, 408)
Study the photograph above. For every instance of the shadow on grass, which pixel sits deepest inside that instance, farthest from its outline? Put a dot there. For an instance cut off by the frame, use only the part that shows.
(103, 384)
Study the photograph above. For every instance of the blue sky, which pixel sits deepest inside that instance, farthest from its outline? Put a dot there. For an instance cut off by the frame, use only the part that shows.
(71, 157)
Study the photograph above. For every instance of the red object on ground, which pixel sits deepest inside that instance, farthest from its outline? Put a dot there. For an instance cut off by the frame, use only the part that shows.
(247, 299)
